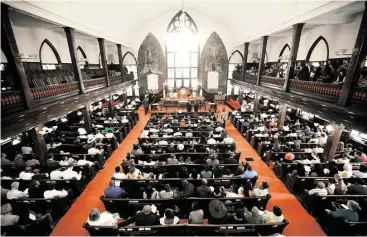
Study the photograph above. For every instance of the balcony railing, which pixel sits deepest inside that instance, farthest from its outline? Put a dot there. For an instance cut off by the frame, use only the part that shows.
(93, 84)
(359, 94)
(54, 90)
(331, 90)
(272, 81)
(115, 79)
(250, 78)
(11, 99)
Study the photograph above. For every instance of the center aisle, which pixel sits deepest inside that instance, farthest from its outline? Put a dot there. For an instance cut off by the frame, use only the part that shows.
(300, 222)
(71, 224)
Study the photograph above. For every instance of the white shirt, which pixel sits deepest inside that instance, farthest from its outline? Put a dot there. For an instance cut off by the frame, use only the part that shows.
(49, 194)
(218, 129)
(188, 134)
(25, 176)
(322, 140)
(177, 134)
(228, 140)
(27, 150)
(110, 135)
(153, 130)
(105, 219)
(318, 191)
(285, 128)
(168, 130)
(70, 173)
(144, 134)
(149, 163)
(119, 176)
(56, 174)
(84, 162)
(258, 192)
(124, 120)
(99, 135)
(163, 142)
(212, 141)
(93, 151)
(15, 194)
(175, 220)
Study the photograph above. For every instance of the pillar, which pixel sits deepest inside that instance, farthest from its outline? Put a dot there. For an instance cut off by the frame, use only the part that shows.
(70, 36)
(10, 49)
(39, 144)
(262, 58)
(119, 54)
(240, 96)
(256, 103)
(87, 118)
(358, 55)
(332, 142)
(245, 55)
(102, 50)
(296, 37)
(282, 115)
(110, 106)
(125, 98)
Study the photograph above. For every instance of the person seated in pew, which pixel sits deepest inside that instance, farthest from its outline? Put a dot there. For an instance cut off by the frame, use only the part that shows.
(57, 174)
(212, 160)
(168, 129)
(260, 191)
(51, 163)
(362, 172)
(118, 174)
(114, 191)
(167, 192)
(65, 161)
(34, 190)
(94, 150)
(14, 192)
(233, 191)
(211, 140)
(188, 189)
(253, 217)
(350, 213)
(104, 218)
(338, 188)
(7, 217)
(26, 174)
(172, 160)
(149, 161)
(204, 191)
(189, 133)
(275, 216)
(27, 149)
(343, 160)
(146, 217)
(347, 171)
(133, 173)
(69, 173)
(237, 217)
(150, 193)
(228, 174)
(83, 162)
(169, 217)
(320, 190)
(53, 149)
(52, 192)
(207, 173)
(318, 171)
(5, 161)
(146, 173)
(32, 161)
(227, 139)
(196, 216)
(137, 150)
(128, 161)
(18, 160)
(248, 173)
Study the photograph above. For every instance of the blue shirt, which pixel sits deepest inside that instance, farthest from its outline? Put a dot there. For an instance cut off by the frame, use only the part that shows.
(114, 192)
(248, 174)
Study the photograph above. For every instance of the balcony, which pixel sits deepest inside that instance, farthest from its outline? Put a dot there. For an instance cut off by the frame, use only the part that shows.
(272, 82)
(250, 78)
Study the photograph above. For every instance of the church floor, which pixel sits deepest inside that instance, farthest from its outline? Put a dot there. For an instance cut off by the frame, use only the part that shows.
(301, 223)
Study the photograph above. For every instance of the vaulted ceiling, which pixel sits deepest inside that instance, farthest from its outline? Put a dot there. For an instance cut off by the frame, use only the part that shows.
(121, 21)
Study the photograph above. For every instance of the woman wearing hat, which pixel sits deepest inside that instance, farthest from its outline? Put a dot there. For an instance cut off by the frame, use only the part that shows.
(217, 212)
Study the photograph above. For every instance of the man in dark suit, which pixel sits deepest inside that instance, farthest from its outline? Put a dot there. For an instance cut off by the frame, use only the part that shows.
(203, 191)
(304, 73)
(188, 189)
(142, 218)
(188, 106)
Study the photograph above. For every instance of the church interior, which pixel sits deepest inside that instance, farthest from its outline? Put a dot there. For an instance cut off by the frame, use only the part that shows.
(183, 117)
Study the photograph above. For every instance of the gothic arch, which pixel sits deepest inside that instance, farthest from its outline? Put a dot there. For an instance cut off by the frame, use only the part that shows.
(171, 26)
(283, 49)
(84, 55)
(236, 51)
(46, 41)
(313, 46)
(128, 52)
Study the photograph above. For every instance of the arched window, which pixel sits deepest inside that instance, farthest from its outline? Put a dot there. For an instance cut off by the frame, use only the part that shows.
(319, 51)
(182, 51)
(49, 57)
(284, 53)
(235, 63)
(129, 61)
(82, 57)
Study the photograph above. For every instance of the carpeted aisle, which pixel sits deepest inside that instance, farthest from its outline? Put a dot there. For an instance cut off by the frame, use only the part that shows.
(300, 222)
(72, 223)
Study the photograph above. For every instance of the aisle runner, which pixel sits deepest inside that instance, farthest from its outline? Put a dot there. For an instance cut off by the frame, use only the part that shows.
(300, 222)
(71, 224)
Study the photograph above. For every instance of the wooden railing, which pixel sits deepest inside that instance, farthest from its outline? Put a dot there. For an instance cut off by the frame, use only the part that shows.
(11, 99)
(359, 94)
(39, 93)
(115, 79)
(272, 81)
(237, 75)
(94, 83)
(129, 77)
(332, 90)
(250, 78)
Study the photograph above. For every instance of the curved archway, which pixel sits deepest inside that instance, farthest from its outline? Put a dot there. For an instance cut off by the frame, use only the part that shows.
(172, 27)
(234, 52)
(81, 51)
(286, 48)
(235, 59)
(130, 63)
(52, 47)
(126, 54)
(313, 46)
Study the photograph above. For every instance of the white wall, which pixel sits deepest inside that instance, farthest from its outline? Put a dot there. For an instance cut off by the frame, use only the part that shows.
(205, 28)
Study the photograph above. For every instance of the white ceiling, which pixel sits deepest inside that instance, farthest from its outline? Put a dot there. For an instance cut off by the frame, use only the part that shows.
(121, 21)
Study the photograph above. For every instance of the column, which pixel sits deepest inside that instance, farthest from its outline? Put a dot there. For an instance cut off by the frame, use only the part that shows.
(70, 36)
(232, 92)
(102, 50)
(39, 144)
(358, 55)
(240, 97)
(10, 49)
(110, 106)
(125, 98)
(87, 119)
(245, 55)
(296, 37)
(262, 58)
(282, 115)
(332, 142)
(256, 103)
(119, 54)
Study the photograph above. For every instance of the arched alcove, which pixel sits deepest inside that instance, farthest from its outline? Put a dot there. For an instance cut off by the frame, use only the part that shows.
(49, 57)
(129, 61)
(284, 53)
(319, 50)
(235, 63)
(82, 57)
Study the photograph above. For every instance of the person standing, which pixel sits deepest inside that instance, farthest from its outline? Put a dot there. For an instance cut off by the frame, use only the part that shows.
(224, 115)
(188, 106)
(146, 106)
(196, 106)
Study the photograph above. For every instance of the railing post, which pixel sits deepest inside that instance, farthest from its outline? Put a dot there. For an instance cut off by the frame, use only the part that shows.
(262, 59)
(245, 55)
(39, 143)
(119, 54)
(358, 55)
(10, 49)
(282, 115)
(70, 36)
(102, 50)
(296, 37)
(87, 119)
(332, 142)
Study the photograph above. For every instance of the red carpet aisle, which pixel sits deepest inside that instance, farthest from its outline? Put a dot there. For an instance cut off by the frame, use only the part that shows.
(72, 223)
(301, 223)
